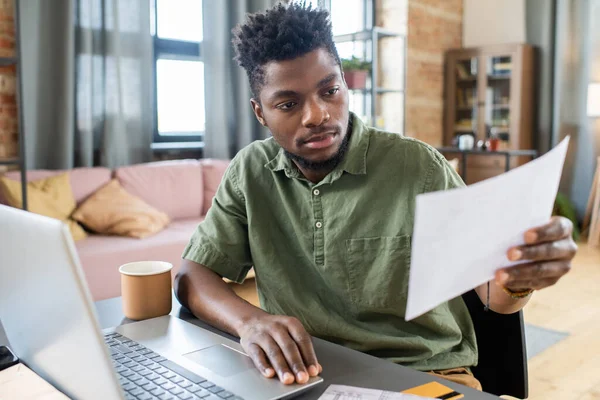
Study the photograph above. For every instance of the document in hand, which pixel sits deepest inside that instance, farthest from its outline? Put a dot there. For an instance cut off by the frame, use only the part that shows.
(461, 236)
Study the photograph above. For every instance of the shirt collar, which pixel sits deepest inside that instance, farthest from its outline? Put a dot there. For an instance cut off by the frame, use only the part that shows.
(355, 161)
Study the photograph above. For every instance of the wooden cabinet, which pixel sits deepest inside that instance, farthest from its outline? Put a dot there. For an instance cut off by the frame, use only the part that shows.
(489, 92)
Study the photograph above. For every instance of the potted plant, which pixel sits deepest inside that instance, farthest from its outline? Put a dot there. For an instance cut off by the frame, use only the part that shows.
(356, 71)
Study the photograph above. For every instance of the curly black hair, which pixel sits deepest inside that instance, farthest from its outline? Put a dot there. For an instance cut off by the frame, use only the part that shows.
(283, 32)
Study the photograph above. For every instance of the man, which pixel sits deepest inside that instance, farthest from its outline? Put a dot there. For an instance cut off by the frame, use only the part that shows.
(324, 213)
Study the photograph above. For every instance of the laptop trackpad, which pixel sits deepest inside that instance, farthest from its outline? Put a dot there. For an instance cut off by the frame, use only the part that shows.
(221, 360)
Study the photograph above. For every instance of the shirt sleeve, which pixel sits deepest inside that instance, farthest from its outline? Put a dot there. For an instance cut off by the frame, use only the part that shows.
(441, 175)
(221, 242)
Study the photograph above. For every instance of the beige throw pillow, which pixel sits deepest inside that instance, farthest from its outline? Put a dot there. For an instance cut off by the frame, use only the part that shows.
(51, 197)
(113, 211)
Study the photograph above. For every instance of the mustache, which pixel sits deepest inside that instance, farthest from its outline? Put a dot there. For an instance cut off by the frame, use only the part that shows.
(318, 131)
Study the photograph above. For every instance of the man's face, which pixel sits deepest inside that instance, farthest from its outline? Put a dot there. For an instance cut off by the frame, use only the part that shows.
(304, 103)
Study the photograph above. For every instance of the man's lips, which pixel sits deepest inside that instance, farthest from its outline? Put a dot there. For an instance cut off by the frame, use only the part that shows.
(320, 141)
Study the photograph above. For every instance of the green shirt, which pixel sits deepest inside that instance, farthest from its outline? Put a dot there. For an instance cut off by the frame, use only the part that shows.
(336, 255)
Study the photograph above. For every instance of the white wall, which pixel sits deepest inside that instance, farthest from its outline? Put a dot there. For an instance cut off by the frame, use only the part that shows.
(488, 22)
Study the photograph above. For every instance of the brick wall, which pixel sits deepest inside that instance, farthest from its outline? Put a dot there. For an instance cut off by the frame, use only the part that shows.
(433, 27)
(8, 108)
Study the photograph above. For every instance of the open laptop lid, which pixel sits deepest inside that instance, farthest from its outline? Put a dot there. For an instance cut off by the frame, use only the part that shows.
(46, 308)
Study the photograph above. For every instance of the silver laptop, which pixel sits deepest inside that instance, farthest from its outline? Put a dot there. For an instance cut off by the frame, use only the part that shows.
(51, 325)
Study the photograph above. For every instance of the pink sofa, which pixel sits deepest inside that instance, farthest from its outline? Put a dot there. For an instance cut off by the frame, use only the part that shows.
(182, 189)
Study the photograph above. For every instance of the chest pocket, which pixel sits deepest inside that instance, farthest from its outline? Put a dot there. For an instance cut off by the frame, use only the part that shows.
(378, 271)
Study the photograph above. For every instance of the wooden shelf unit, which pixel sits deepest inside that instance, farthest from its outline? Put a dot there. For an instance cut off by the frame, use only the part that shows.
(489, 91)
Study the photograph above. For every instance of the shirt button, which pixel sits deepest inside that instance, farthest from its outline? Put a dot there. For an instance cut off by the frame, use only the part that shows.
(319, 224)
(316, 192)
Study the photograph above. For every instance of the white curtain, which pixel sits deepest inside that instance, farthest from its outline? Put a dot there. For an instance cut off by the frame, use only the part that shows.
(87, 82)
(230, 122)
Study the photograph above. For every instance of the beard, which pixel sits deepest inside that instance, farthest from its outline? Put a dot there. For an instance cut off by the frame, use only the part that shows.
(325, 165)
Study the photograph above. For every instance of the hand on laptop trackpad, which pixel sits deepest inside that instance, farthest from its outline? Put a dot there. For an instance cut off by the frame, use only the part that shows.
(221, 360)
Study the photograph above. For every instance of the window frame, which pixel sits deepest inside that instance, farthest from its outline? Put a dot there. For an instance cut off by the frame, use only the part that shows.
(171, 49)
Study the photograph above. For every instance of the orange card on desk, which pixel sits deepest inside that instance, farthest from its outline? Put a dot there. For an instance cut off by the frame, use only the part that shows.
(435, 390)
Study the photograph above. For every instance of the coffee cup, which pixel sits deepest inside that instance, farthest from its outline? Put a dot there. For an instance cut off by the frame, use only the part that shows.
(146, 289)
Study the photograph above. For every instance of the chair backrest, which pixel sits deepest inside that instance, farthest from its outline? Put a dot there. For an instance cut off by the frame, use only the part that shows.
(502, 366)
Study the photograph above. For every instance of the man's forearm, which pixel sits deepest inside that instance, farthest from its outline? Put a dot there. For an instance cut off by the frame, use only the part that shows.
(211, 299)
(500, 301)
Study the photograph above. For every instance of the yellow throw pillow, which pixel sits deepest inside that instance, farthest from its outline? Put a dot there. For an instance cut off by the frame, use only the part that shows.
(113, 211)
(51, 197)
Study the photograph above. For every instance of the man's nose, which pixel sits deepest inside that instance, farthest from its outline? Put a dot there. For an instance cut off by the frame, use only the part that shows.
(315, 114)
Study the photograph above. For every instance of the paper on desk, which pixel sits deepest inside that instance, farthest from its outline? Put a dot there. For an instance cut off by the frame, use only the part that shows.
(461, 236)
(342, 392)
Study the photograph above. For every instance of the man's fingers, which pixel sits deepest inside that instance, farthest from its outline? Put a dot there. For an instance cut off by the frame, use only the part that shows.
(532, 272)
(277, 359)
(558, 228)
(291, 353)
(304, 343)
(260, 360)
(559, 249)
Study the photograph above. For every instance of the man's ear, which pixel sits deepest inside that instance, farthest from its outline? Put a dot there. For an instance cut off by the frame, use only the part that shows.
(258, 112)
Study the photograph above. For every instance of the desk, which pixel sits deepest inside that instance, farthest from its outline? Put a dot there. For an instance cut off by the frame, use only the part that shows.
(506, 153)
(340, 364)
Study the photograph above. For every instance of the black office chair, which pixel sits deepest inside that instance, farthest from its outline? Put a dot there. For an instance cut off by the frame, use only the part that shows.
(502, 367)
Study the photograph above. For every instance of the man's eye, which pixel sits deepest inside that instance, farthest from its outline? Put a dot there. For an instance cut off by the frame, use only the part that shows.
(286, 106)
(333, 91)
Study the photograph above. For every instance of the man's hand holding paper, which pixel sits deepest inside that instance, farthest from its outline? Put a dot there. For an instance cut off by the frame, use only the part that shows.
(496, 230)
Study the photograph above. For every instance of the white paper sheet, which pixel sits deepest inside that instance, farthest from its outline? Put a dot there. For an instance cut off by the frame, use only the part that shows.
(461, 236)
(342, 392)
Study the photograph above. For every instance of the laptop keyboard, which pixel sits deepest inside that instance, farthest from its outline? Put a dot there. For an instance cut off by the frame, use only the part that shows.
(146, 375)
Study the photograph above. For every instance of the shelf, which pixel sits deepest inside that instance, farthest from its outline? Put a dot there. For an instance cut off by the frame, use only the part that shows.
(4, 61)
(9, 161)
(467, 80)
(384, 32)
(464, 130)
(499, 77)
(513, 153)
(466, 108)
(366, 35)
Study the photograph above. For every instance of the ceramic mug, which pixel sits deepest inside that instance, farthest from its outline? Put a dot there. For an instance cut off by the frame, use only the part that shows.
(466, 142)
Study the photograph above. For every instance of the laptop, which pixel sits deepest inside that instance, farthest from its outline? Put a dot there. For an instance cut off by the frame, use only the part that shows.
(51, 325)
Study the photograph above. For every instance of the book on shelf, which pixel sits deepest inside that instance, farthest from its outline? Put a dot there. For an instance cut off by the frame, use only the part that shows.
(460, 97)
(464, 99)
(462, 71)
(464, 125)
(506, 66)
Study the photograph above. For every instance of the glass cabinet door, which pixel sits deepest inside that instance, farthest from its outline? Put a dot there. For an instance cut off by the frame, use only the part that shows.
(467, 105)
(497, 98)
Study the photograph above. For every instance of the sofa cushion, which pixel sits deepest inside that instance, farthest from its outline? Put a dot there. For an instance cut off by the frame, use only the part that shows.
(213, 171)
(114, 211)
(173, 187)
(51, 197)
(101, 256)
(84, 181)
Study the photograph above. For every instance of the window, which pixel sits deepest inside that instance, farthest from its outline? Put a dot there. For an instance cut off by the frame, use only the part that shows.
(348, 16)
(179, 71)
